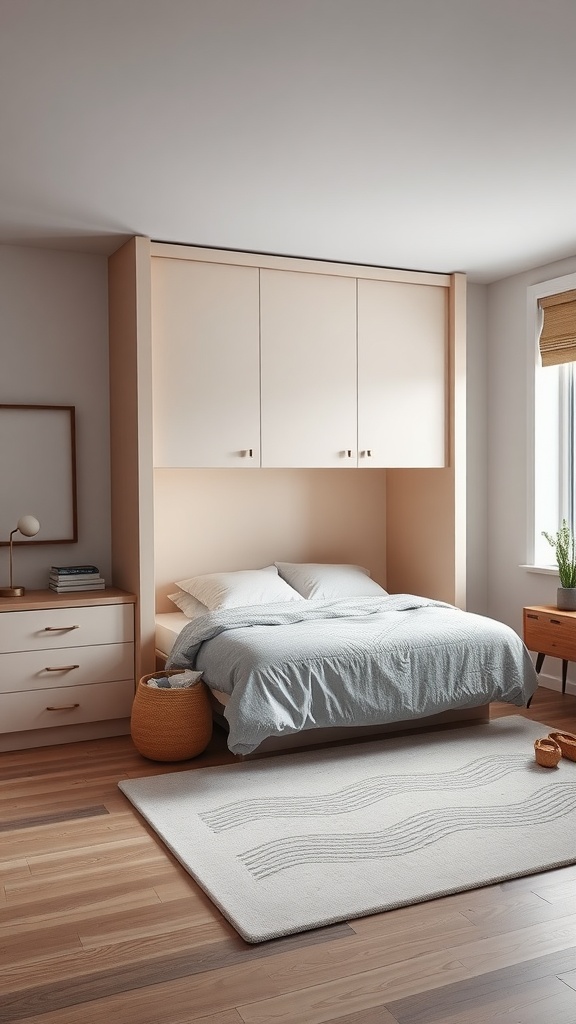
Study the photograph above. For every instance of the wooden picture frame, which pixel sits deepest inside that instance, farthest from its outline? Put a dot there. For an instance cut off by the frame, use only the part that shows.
(38, 472)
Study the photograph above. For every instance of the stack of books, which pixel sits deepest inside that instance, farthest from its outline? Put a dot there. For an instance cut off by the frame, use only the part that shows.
(67, 579)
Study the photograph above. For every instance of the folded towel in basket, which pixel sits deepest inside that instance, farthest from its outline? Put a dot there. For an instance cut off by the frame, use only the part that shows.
(178, 681)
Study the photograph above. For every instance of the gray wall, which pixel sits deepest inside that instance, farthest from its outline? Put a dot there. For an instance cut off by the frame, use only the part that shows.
(54, 348)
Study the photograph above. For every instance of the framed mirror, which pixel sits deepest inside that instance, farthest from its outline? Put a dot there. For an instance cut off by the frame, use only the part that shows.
(38, 472)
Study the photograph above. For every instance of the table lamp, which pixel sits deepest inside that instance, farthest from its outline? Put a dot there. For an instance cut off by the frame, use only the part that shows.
(28, 526)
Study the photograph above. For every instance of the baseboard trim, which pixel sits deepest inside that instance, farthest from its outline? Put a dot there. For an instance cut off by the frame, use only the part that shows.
(64, 734)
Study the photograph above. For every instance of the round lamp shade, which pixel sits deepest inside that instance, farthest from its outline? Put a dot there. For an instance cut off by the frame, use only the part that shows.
(28, 526)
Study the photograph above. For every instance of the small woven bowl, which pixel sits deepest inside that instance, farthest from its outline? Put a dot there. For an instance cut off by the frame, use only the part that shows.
(548, 752)
(567, 743)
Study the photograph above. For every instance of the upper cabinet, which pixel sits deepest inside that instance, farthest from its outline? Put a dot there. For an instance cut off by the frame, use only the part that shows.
(264, 365)
(402, 374)
(205, 364)
(308, 368)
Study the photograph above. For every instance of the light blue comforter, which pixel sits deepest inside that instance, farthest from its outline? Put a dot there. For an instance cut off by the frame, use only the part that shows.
(373, 660)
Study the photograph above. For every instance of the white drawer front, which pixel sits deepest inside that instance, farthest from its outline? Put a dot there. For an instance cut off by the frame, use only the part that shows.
(69, 705)
(68, 666)
(52, 628)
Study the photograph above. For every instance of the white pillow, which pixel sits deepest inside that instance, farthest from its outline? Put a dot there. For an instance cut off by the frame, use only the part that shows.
(239, 589)
(188, 604)
(326, 582)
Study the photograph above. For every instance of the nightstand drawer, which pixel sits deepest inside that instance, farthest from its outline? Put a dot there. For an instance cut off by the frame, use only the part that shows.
(66, 627)
(69, 666)
(550, 634)
(69, 705)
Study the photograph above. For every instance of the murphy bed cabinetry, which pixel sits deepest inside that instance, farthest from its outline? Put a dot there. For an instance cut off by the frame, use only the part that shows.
(299, 369)
(255, 366)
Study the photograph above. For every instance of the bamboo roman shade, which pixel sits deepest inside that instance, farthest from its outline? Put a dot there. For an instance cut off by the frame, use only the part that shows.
(558, 335)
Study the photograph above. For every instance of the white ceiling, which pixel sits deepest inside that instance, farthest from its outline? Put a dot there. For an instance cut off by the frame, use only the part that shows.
(429, 134)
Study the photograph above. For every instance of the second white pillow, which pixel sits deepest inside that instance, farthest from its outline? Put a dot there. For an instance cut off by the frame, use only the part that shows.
(328, 582)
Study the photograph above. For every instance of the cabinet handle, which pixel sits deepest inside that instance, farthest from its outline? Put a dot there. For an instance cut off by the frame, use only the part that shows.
(61, 668)
(347, 453)
(531, 616)
(556, 622)
(367, 453)
(63, 707)
(248, 453)
(58, 629)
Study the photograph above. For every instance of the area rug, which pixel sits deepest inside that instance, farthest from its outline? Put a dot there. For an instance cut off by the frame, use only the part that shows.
(296, 841)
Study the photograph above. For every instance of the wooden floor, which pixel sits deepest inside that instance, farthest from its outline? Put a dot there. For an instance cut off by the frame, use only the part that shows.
(98, 922)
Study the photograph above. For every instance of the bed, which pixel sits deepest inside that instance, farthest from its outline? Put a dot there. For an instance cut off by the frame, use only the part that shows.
(297, 668)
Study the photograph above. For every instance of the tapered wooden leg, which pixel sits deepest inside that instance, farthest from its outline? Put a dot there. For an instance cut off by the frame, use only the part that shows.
(564, 671)
(540, 661)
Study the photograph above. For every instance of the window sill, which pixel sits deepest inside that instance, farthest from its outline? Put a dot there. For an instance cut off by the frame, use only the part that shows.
(546, 570)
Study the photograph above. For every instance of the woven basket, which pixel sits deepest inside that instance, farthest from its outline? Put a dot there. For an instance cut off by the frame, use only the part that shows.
(567, 743)
(547, 752)
(170, 725)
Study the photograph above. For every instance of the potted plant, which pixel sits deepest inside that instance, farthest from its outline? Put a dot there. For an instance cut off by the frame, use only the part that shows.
(565, 547)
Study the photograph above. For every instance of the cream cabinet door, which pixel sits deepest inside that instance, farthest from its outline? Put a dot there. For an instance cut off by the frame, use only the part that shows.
(402, 374)
(308, 369)
(205, 364)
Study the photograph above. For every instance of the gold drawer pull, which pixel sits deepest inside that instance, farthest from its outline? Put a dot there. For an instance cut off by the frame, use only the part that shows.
(63, 707)
(61, 668)
(58, 629)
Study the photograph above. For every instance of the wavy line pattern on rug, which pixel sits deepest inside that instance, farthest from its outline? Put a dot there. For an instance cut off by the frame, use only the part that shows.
(480, 772)
(411, 834)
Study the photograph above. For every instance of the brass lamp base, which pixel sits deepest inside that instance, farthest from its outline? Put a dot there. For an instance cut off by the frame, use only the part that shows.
(12, 591)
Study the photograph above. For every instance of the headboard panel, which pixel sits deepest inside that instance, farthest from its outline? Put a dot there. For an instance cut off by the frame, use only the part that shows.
(213, 520)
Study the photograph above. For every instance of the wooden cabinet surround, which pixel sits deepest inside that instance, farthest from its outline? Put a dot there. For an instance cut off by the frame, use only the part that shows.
(223, 360)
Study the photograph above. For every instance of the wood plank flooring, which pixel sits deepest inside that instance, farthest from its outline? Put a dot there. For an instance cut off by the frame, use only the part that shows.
(99, 922)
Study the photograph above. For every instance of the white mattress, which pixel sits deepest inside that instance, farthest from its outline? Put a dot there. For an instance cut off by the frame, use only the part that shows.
(168, 626)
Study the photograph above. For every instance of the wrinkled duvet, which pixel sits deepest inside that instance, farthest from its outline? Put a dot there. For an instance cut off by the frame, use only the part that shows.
(368, 661)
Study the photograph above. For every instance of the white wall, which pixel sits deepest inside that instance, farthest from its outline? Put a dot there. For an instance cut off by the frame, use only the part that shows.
(510, 355)
(477, 449)
(54, 351)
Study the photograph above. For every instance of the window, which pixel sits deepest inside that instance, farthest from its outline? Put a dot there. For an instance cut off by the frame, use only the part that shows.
(554, 409)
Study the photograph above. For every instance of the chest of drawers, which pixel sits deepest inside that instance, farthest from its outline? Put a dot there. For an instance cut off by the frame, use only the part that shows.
(65, 660)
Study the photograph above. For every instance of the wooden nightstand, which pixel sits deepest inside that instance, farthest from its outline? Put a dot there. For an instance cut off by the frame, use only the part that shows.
(550, 631)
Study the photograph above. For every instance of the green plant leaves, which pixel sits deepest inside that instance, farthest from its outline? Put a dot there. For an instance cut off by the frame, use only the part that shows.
(565, 546)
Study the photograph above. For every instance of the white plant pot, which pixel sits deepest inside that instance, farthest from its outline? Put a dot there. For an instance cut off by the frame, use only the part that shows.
(566, 599)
